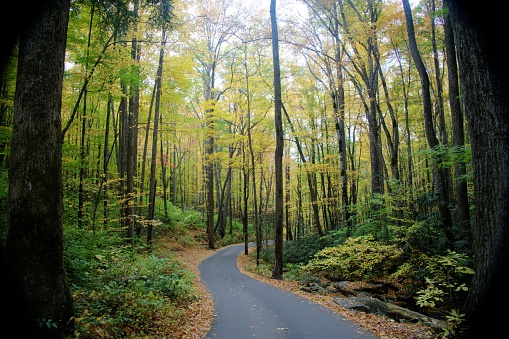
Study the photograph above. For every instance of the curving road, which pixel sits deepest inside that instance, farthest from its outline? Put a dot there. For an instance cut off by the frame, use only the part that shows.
(245, 307)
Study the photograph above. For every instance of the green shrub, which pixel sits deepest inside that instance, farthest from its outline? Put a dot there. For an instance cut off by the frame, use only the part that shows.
(447, 280)
(358, 259)
(303, 249)
(116, 290)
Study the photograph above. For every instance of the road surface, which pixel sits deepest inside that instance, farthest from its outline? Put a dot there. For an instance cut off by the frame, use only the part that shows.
(246, 308)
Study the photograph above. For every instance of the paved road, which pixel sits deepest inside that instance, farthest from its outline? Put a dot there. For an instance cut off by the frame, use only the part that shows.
(245, 307)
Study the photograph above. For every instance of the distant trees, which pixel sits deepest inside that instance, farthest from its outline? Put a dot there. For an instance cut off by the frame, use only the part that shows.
(364, 108)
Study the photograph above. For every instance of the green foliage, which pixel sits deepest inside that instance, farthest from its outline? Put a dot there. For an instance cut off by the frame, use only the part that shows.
(187, 218)
(454, 320)
(229, 239)
(447, 156)
(424, 236)
(357, 259)
(371, 217)
(116, 288)
(447, 280)
(3, 205)
(267, 254)
(5, 140)
(303, 249)
(47, 323)
(297, 273)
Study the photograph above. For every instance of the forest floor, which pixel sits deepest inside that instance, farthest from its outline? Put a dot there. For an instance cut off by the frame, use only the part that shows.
(200, 312)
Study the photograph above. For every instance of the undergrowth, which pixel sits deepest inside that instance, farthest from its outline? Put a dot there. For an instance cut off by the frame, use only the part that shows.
(135, 292)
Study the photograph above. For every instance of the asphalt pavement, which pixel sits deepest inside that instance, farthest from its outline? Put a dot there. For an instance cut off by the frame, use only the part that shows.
(245, 307)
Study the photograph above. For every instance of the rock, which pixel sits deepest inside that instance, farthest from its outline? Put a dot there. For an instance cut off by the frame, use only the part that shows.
(398, 313)
(345, 288)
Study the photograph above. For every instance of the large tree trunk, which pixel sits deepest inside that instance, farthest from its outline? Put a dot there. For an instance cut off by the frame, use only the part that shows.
(484, 75)
(35, 200)
(277, 273)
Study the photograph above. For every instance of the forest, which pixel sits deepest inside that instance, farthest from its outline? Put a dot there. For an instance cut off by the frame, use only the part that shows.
(367, 138)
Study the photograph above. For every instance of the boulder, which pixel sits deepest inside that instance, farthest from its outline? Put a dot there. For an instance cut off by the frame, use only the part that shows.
(372, 305)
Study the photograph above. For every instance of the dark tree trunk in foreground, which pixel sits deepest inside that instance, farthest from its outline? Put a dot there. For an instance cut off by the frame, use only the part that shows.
(35, 233)
(484, 74)
(277, 273)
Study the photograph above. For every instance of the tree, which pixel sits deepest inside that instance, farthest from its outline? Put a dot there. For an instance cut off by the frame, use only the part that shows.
(35, 234)
(217, 24)
(153, 181)
(440, 173)
(278, 156)
(458, 133)
(484, 75)
(367, 68)
(131, 138)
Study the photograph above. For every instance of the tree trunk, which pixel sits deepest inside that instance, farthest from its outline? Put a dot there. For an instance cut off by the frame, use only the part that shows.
(153, 162)
(289, 234)
(122, 154)
(106, 159)
(81, 193)
(277, 272)
(313, 190)
(132, 140)
(145, 148)
(164, 179)
(35, 198)
(484, 75)
(458, 134)
(440, 174)
(432, 13)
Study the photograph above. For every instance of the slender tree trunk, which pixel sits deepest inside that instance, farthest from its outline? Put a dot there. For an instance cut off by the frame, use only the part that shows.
(256, 220)
(458, 133)
(132, 141)
(153, 162)
(209, 175)
(245, 198)
(36, 281)
(277, 273)
(145, 149)
(81, 193)
(122, 154)
(440, 174)
(106, 158)
(311, 181)
(164, 179)
(289, 234)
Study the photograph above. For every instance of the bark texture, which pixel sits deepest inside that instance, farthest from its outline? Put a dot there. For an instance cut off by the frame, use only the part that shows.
(35, 198)
(483, 76)
(278, 156)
